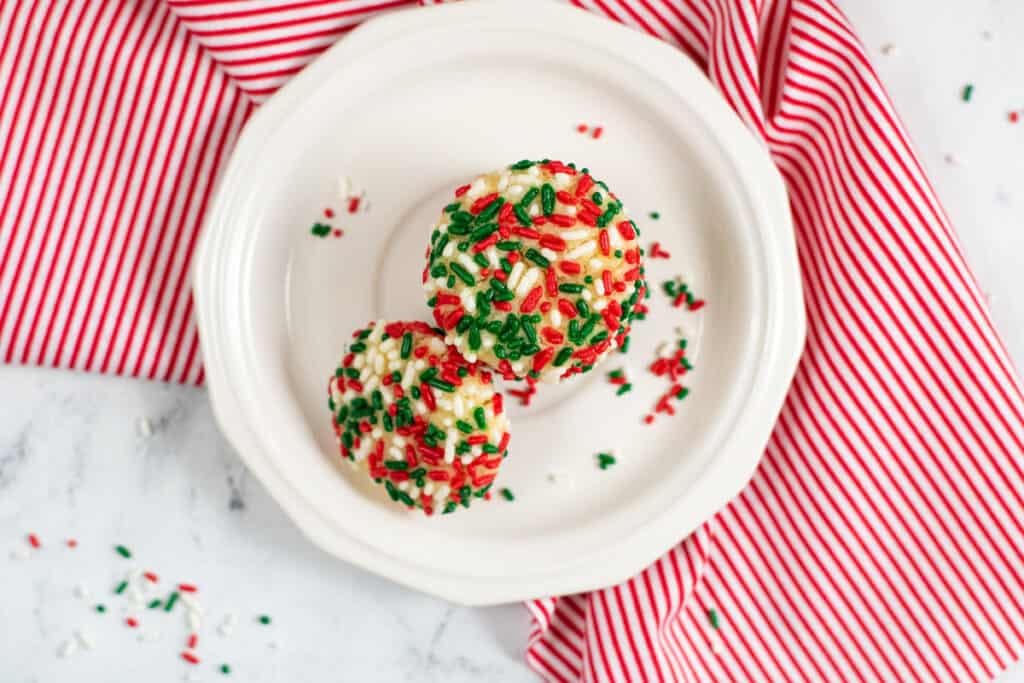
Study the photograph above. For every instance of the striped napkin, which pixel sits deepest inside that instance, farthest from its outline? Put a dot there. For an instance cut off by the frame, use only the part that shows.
(883, 535)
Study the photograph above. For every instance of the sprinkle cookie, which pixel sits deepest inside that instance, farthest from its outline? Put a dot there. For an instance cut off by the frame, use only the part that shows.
(535, 270)
(418, 417)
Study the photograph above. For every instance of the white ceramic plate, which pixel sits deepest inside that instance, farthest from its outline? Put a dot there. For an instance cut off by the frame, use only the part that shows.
(410, 106)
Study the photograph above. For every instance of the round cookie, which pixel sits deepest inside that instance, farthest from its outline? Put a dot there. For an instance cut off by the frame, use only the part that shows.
(535, 270)
(418, 417)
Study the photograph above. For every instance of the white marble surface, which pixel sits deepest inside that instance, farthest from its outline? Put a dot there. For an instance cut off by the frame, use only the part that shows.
(74, 464)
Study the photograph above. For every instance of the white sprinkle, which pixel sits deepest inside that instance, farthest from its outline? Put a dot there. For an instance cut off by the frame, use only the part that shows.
(449, 446)
(503, 182)
(359, 361)
(584, 249)
(556, 317)
(85, 640)
(365, 374)
(469, 263)
(67, 648)
(518, 366)
(420, 364)
(475, 452)
(534, 209)
(476, 188)
(404, 486)
(467, 459)
(444, 403)
(193, 620)
(378, 365)
(227, 626)
(562, 180)
(344, 187)
(492, 256)
(19, 553)
(548, 254)
(442, 491)
(421, 408)
(533, 170)
(487, 340)
(531, 277)
(569, 235)
(408, 376)
(517, 272)
(587, 296)
(596, 264)
(515, 191)
(376, 433)
(395, 453)
(81, 591)
(398, 441)
(428, 488)
(460, 407)
(569, 211)
(615, 238)
(561, 478)
(890, 50)
(599, 305)
(145, 427)
(599, 287)
(149, 635)
(447, 252)
(387, 344)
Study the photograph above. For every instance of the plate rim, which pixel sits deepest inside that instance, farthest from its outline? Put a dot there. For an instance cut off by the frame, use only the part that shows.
(721, 479)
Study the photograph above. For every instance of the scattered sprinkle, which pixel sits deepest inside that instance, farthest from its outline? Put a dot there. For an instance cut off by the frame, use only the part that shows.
(120, 587)
(151, 577)
(225, 669)
(33, 541)
(227, 626)
(123, 551)
(605, 460)
(1014, 116)
(624, 389)
(713, 618)
(190, 658)
(507, 494)
(154, 604)
(85, 640)
(67, 648)
(967, 92)
(71, 543)
(656, 251)
(187, 588)
(890, 50)
(193, 640)
(169, 605)
(101, 608)
(329, 212)
(654, 215)
(132, 622)
(264, 619)
(320, 229)
(951, 160)
(145, 427)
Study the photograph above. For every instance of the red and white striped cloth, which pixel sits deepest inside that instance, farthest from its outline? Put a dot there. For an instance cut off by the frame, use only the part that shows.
(883, 535)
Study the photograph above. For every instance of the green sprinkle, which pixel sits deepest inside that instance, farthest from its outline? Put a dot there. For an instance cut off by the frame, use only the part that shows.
(463, 274)
(450, 282)
(522, 215)
(491, 211)
(509, 245)
(589, 279)
(582, 308)
(481, 260)
(570, 287)
(605, 460)
(547, 199)
(624, 389)
(378, 400)
(480, 417)
(530, 195)
(474, 339)
(264, 619)
(120, 587)
(531, 334)
(449, 507)
(439, 247)
(464, 493)
(520, 165)
(499, 286)
(358, 347)
(453, 207)
(122, 551)
(447, 387)
(464, 426)
(320, 230)
(406, 498)
(597, 198)
(416, 392)
(682, 393)
(599, 337)
(396, 465)
(389, 425)
(461, 217)
(509, 329)
(507, 494)
(169, 605)
(563, 355)
(225, 669)
(682, 344)
(618, 253)
(489, 448)
(537, 258)
(506, 265)
(713, 618)
(574, 328)
(101, 608)
(968, 91)
(654, 215)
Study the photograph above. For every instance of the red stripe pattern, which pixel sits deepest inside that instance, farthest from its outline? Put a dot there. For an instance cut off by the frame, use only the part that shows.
(882, 536)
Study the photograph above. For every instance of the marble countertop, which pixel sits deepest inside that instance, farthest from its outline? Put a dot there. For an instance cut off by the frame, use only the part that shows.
(105, 461)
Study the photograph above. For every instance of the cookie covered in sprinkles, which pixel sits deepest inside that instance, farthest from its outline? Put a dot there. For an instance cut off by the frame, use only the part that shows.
(418, 417)
(535, 270)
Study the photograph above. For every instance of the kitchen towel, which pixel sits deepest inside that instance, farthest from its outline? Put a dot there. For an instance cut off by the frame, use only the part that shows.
(882, 537)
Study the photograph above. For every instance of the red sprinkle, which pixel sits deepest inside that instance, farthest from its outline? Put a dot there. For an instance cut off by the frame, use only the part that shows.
(338, 232)
(192, 641)
(72, 543)
(570, 267)
(604, 242)
(545, 306)
(187, 588)
(551, 282)
(582, 128)
(523, 232)
(151, 577)
(552, 336)
(566, 308)
(132, 623)
(553, 242)
(606, 280)
(34, 540)
(506, 212)
(190, 658)
(461, 190)
(565, 198)
(626, 230)
(353, 204)
(631, 275)
(329, 212)
(584, 185)
(679, 300)
(597, 132)
(498, 404)
(477, 440)
(648, 419)
(1014, 117)
(482, 203)
(503, 444)
(697, 305)
(542, 358)
(530, 302)
(503, 306)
